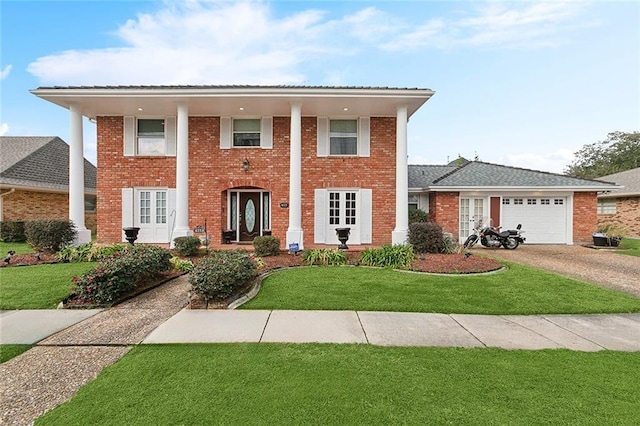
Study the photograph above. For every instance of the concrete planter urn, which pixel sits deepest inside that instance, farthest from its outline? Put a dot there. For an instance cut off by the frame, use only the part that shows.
(343, 237)
(131, 234)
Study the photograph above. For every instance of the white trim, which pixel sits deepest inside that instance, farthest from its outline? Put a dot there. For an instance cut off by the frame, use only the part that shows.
(322, 137)
(226, 131)
(170, 136)
(266, 133)
(494, 189)
(129, 136)
(364, 137)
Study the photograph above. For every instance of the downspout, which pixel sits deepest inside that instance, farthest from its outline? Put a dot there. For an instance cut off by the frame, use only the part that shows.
(11, 191)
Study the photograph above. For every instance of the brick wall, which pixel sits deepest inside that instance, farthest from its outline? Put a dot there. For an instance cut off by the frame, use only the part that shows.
(627, 215)
(32, 205)
(212, 171)
(585, 216)
(444, 210)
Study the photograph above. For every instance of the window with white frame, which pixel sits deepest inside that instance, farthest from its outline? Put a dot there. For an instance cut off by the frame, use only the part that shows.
(343, 137)
(413, 202)
(152, 207)
(531, 201)
(545, 201)
(558, 201)
(246, 132)
(517, 201)
(342, 208)
(150, 138)
(506, 201)
(607, 206)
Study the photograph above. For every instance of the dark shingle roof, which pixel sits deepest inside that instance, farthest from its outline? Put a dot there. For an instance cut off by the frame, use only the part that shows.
(480, 174)
(41, 162)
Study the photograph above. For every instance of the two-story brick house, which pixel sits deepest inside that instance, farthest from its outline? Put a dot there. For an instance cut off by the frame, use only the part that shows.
(297, 162)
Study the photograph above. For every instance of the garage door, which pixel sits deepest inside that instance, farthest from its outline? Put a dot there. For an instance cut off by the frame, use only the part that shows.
(543, 219)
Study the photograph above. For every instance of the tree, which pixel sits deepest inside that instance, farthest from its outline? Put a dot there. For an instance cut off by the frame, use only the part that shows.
(619, 152)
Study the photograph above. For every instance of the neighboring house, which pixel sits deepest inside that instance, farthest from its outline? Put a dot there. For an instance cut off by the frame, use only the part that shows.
(621, 206)
(295, 162)
(552, 208)
(34, 180)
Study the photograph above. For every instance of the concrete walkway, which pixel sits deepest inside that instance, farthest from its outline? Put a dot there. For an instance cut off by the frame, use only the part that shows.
(619, 332)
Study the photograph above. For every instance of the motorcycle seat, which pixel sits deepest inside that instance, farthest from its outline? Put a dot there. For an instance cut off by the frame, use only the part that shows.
(505, 234)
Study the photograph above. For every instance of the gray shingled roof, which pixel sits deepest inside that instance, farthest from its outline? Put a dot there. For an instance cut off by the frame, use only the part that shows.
(480, 174)
(630, 179)
(40, 162)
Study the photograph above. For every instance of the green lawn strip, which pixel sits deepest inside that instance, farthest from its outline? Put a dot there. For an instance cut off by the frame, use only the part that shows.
(631, 247)
(19, 248)
(38, 286)
(356, 384)
(520, 290)
(11, 351)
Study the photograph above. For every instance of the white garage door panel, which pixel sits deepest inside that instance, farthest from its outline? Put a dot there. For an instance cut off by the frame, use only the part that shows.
(542, 223)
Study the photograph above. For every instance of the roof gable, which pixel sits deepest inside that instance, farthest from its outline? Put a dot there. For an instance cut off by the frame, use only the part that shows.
(630, 179)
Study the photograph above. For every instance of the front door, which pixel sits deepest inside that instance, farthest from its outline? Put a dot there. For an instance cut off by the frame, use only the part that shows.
(249, 215)
(471, 212)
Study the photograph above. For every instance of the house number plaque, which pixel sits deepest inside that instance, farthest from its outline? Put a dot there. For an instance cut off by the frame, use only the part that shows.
(284, 205)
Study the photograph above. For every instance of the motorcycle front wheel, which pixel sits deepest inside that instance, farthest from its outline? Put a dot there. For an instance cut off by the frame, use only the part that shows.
(510, 244)
(471, 241)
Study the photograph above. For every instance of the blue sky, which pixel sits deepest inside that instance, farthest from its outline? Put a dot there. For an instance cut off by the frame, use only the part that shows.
(518, 83)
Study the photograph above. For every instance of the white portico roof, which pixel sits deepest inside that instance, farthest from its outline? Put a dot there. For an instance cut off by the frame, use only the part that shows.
(352, 101)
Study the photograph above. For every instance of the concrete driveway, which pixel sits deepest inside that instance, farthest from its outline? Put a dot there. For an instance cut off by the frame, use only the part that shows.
(597, 266)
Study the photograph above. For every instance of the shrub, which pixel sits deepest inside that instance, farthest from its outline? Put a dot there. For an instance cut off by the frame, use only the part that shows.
(426, 237)
(187, 246)
(181, 265)
(88, 252)
(398, 256)
(266, 246)
(418, 216)
(216, 276)
(121, 273)
(49, 235)
(324, 257)
(12, 231)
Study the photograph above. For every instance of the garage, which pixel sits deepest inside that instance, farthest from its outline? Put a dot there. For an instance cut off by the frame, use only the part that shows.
(544, 219)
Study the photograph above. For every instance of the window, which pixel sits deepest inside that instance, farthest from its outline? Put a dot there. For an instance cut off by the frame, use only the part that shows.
(246, 132)
(334, 208)
(150, 138)
(342, 213)
(413, 202)
(517, 201)
(145, 207)
(343, 137)
(89, 203)
(161, 207)
(350, 208)
(506, 201)
(558, 201)
(531, 201)
(545, 201)
(607, 206)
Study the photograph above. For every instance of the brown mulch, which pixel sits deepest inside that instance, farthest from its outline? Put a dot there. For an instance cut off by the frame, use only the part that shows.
(27, 259)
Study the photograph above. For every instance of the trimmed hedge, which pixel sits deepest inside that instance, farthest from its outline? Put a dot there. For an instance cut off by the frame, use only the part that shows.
(49, 235)
(266, 246)
(121, 273)
(418, 216)
(12, 231)
(218, 275)
(187, 246)
(427, 237)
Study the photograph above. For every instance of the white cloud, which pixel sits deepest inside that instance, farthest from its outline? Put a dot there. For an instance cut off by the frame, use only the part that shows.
(4, 128)
(554, 162)
(4, 73)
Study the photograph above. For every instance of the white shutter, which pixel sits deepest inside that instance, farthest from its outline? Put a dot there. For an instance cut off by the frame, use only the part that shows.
(366, 216)
(171, 212)
(266, 132)
(129, 136)
(170, 135)
(225, 132)
(320, 218)
(127, 209)
(323, 136)
(363, 137)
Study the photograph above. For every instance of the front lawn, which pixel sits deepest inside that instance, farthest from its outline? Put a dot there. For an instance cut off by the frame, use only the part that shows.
(11, 351)
(39, 286)
(19, 248)
(630, 246)
(520, 290)
(275, 384)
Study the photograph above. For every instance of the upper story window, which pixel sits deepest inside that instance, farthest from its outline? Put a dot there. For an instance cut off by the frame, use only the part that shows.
(246, 132)
(150, 137)
(343, 137)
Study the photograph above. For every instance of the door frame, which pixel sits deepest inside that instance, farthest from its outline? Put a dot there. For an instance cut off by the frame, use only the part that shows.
(229, 220)
(471, 220)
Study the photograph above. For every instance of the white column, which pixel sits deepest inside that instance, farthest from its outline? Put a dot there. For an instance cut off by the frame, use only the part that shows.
(76, 176)
(401, 231)
(182, 175)
(294, 232)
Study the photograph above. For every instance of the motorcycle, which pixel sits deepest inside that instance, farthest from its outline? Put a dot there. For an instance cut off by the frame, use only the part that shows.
(491, 237)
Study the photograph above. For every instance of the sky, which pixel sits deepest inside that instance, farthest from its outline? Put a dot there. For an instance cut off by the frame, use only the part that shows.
(524, 84)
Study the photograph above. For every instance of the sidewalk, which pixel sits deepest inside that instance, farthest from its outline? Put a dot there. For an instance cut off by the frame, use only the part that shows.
(576, 332)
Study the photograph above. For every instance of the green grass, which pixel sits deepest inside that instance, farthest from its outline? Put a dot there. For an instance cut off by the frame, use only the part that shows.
(38, 286)
(521, 290)
(274, 384)
(11, 351)
(631, 247)
(19, 248)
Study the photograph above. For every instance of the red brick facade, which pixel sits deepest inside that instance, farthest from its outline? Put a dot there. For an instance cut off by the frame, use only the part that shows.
(444, 209)
(627, 215)
(32, 205)
(585, 216)
(214, 171)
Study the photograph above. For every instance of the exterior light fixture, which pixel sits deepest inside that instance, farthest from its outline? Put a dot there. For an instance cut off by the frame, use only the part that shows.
(139, 108)
(241, 108)
(245, 165)
(345, 109)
